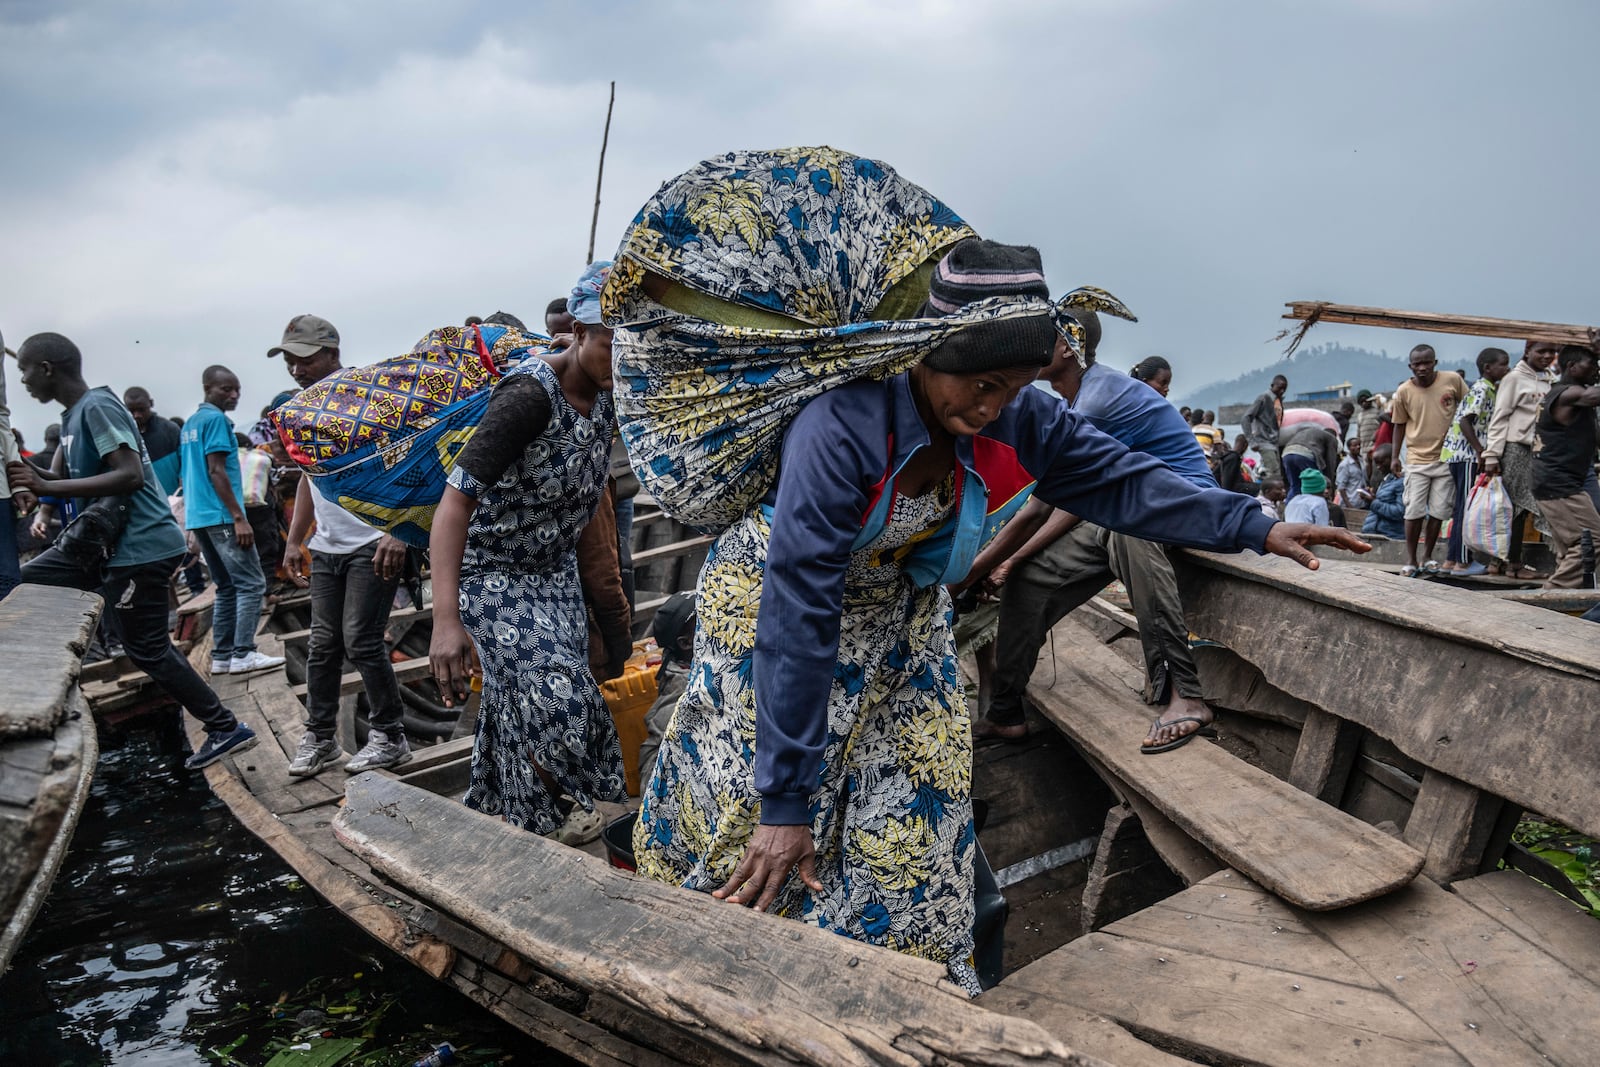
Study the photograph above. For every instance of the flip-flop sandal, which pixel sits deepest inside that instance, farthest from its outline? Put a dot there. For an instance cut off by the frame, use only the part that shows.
(1472, 570)
(1204, 731)
(1408, 571)
(1431, 567)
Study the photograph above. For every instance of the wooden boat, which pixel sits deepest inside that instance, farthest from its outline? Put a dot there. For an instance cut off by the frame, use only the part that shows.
(1253, 900)
(48, 748)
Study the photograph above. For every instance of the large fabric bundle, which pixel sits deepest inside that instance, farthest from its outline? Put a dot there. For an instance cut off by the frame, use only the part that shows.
(380, 440)
(751, 284)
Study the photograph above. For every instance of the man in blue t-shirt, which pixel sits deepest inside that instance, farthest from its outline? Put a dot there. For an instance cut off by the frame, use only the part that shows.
(213, 493)
(102, 471)
(1048, 562)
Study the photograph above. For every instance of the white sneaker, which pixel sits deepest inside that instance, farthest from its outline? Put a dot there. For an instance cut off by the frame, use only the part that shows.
(221, 666)
(381, 750)
(251, 662)
(580, 827)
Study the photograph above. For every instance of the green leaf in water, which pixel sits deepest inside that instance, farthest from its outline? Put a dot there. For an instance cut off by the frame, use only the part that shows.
(318, 1052)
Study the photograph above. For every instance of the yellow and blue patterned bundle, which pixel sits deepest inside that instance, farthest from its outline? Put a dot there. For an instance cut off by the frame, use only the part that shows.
(749, 285)
(380, 440)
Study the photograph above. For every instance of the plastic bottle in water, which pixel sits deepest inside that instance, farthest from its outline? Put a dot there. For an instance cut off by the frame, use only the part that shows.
(439, 1057)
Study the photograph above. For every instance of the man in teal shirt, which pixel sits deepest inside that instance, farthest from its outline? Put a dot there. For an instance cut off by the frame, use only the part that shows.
(213, 493)
(102, 457)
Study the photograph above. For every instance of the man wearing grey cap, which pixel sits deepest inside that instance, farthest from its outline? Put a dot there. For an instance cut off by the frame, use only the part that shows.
(354, 571)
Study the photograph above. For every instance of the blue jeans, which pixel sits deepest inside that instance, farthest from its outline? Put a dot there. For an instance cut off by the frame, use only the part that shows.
(240, 587)
(1292, 466)
(10, 571)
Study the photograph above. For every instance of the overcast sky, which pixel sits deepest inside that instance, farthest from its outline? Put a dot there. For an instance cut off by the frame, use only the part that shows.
(180, 179)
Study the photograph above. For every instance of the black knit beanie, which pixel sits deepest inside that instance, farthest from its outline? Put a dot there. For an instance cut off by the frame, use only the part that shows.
(977, 269)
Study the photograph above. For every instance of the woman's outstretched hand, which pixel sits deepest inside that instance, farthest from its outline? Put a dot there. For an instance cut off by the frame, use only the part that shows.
(1293, 540)
(773, 852)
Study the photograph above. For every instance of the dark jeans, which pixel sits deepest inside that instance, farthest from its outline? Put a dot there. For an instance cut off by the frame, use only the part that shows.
(624, 510)
(10, 573)
(1292, 466)
(1043, 589)
(240, 587)
(137, 597)
(1464, 471)
(349, 610)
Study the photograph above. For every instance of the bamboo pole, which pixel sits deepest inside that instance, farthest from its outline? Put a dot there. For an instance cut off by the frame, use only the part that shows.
(594, 221)
(1311, 312)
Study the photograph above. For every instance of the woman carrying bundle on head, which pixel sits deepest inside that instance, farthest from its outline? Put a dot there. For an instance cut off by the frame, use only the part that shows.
(505, 580)
(820, 761)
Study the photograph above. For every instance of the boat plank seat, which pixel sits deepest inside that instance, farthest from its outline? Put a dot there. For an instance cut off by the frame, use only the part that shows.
(404, 615)
(803, 995)
(1308, 852)
(1226, 972)
(410, 670)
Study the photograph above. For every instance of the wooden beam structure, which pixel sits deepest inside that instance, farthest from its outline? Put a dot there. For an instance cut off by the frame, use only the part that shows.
(1311, 312)
(1499, 696)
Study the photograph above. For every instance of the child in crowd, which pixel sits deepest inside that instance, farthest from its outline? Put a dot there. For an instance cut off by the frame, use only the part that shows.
(1273, 494)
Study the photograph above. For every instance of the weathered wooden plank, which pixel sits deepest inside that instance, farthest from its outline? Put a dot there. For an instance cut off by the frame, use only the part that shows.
(675, 549)
(1326, 756)
(404, 615)
(1307, 852)
(45, 631)
(675, 955)
(1228, 680)
(1314, 311)
(35, 837)
(1223, 1011)
(1484, 695)
(1566, 601)
(1231, 918)
(1095, 1034)
(1183, 855)
(410, 670)
(1493, 996)
(1127, 874)
(334, 883)
(561, 1030)
(1452, 824)
(1538, 915)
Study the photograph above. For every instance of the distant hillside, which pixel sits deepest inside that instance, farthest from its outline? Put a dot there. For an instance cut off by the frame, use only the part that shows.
(1312, 369)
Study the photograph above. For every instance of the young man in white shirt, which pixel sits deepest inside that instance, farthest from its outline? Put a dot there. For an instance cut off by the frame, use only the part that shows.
(354, 571)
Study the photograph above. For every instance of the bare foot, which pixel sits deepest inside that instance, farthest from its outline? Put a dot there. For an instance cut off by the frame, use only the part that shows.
(1179, 707)
(984, 730)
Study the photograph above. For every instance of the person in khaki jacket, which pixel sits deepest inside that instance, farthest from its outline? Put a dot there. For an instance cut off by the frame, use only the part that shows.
(1509, 452)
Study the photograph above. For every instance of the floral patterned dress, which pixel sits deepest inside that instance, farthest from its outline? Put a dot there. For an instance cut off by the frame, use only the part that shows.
(521, 602)
(893, 829)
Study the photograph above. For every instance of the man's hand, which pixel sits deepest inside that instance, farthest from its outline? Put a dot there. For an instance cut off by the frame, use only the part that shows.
(1397, 468)
(24, 478)
(389, 558)
(243, 533)
(294, 564)
(40, 529)
(24, 501)
(773, 852)
(996, 578)
(1291, 540)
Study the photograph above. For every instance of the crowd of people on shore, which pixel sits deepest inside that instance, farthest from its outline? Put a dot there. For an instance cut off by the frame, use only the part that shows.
(816, 757)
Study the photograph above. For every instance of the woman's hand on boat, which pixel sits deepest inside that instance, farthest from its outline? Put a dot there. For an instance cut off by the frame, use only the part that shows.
(389, 558)
(1293, 540)
(452, 660)
(773, 852)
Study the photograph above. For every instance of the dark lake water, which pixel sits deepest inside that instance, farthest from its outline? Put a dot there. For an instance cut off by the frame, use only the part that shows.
(173, 936)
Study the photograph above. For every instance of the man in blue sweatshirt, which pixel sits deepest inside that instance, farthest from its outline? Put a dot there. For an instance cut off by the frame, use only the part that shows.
(1049, 562)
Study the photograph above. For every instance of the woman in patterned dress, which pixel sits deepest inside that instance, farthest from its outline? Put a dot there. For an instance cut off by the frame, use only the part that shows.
(819, 762)
(505, 580)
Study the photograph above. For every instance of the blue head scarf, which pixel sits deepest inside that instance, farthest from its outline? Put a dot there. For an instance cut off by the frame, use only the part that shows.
(584, 302)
